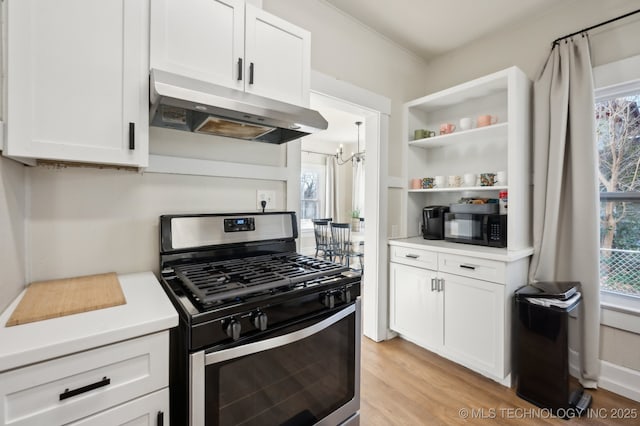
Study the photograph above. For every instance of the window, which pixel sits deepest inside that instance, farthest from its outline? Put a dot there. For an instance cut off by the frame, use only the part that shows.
(618, 142)
(311, 194)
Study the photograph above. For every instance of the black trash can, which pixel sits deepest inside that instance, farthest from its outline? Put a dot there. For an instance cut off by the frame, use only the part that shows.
(541, 348)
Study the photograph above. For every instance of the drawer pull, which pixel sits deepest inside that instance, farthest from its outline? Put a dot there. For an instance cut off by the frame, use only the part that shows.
(71, 393)
(473, 268)
(412, 256)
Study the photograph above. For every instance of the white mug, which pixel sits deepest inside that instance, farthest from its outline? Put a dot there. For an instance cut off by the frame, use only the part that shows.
(440, 182)
(454, 181)
(501, 178)
(469, 179)
(466, 123)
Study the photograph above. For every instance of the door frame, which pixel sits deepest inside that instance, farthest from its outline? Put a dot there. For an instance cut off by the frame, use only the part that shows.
(376, 109)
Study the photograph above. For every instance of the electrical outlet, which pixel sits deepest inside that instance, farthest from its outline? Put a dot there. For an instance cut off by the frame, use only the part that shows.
(268, 196)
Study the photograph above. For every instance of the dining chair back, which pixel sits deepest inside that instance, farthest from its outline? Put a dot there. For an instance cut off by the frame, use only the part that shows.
(342, 245)
(322, 234)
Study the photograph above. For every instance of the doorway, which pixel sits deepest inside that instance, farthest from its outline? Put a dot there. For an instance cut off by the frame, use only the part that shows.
(374, 111)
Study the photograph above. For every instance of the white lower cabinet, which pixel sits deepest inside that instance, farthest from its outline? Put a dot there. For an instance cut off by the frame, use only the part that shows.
(474, 322)
(129, 379)
(416, 305)
(457, 315)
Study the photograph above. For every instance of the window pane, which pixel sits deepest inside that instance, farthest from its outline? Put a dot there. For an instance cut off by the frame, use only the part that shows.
(311, 194)
(620, 247)
(618, 137)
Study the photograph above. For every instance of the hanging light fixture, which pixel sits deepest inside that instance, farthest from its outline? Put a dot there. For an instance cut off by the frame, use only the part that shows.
(354, 157)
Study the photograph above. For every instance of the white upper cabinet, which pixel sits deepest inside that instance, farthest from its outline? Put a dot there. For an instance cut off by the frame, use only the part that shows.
(201, 39)
(77, 81)
(233, 44)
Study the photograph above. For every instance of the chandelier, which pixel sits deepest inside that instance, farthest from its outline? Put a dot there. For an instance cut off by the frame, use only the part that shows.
(354, 157)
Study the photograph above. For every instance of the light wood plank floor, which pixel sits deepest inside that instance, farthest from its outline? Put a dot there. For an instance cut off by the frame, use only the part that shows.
(403, 384)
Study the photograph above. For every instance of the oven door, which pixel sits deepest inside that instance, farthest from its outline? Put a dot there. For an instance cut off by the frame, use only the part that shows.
(308, 373)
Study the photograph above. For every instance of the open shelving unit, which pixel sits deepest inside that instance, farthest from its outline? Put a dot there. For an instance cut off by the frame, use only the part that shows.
(504, 146)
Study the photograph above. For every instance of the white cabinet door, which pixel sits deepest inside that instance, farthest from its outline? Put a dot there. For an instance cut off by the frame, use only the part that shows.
(278, 58)
(232, 44)
(474, 323)
(201, 39)
(149, 410)
(77, 80)
(416, 305)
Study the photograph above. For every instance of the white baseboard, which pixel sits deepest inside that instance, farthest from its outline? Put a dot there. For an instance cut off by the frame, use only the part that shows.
(621, 380)
(614, 378)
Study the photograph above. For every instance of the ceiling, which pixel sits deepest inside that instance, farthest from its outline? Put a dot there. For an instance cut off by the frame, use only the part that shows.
(428, 28)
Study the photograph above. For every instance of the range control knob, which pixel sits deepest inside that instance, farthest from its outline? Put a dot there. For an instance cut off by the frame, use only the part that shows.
(260, 320)
(329, 300)
(233, 328)
(345, 295)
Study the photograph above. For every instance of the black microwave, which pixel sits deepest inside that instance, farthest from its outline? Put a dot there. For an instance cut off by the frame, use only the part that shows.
(472, 228)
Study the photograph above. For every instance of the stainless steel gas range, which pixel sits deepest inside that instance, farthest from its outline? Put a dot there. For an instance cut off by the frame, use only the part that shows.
(266, 336)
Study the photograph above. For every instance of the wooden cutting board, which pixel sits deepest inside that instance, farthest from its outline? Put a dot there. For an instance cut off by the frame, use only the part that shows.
(57, 298)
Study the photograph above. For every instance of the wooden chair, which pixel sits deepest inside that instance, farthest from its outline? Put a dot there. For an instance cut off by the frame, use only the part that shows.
(322, 233)
(343, 248)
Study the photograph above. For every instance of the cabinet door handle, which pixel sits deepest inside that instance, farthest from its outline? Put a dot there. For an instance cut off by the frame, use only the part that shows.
(411, 256)
(132, 135)
(433, 284)
(239, 69)
(160, 421)
(440, 284)
(473, 268)
(251, 73)
(70, 393)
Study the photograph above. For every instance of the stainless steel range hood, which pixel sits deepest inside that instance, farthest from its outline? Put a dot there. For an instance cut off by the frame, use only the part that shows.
(183, 103)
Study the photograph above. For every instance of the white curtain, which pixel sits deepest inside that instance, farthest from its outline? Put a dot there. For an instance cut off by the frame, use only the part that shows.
(565, 196)
(331, 189)
(358, 187)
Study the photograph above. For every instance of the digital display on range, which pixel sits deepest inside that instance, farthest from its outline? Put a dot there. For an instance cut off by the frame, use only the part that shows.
(239, 224)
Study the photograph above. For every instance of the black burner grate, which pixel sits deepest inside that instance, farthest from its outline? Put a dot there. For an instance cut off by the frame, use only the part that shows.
(214, 281)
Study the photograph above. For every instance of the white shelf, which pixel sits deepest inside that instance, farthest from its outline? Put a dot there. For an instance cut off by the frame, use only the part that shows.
(462, 189)
(477, 135)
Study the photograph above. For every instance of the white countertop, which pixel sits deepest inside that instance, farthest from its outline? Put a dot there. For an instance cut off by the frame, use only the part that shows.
(147, 310)
(441, 246)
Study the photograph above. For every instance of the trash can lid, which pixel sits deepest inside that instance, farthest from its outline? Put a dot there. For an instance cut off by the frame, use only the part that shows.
(562, 290)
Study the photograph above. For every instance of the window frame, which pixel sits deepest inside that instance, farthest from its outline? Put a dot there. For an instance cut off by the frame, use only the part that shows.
(613, 80)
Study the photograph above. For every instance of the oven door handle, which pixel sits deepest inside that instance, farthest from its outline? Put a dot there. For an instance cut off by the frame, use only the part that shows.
(251, 348)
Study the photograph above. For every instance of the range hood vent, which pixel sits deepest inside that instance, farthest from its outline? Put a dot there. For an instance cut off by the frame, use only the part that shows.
(183, 103)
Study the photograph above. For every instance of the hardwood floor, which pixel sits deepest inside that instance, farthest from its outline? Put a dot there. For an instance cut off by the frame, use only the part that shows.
(403, 384)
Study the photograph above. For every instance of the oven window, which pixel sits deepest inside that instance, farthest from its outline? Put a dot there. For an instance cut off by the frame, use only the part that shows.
(296, 384)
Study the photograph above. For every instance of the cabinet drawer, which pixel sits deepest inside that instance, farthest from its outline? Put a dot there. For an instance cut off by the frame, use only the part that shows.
(72, 387)
(473, 267)
(414, 257)
(150, 410)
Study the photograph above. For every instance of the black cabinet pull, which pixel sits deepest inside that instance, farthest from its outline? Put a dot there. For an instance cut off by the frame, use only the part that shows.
(132, 135)
(473, 268)
(239, 69)
(251, 73)
(160, 418)
(71, 393)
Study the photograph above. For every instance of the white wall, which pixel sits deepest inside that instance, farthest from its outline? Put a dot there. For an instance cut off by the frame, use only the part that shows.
(527, 44)
(345, 49)
(12, 230)
(86, 221)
